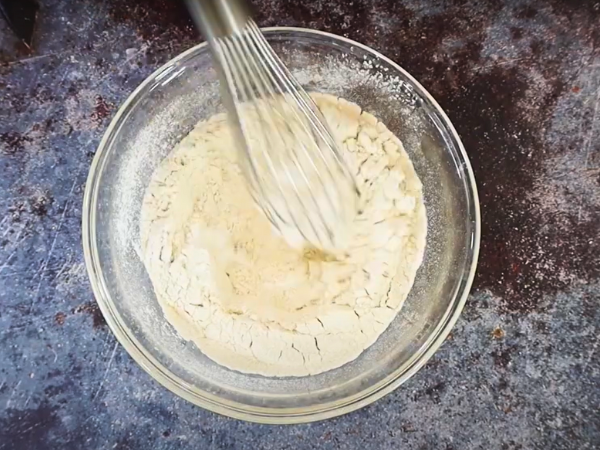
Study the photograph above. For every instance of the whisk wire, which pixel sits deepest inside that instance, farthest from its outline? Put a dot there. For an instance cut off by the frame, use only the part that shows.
(253, 77)
(308, 105)
(259, 77)
(278, 68)
(301, 116)
(290, 157)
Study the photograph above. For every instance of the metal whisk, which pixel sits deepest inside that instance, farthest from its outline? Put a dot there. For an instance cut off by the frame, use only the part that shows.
(289, 156)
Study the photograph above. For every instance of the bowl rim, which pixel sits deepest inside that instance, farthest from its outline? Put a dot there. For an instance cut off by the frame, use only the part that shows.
(227, 407)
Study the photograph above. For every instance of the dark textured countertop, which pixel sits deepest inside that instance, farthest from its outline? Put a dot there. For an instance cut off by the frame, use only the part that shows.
(521, 82)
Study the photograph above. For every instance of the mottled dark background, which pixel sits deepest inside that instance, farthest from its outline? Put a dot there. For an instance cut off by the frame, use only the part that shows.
(521, 82)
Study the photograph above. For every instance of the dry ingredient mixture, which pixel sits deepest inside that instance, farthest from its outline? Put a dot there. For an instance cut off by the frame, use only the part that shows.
(251, 302)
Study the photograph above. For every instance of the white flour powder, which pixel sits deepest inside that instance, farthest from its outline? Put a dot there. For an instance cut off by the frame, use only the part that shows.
(247, 299)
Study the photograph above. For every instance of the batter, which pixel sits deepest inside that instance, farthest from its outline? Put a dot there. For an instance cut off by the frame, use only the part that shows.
(251, 302)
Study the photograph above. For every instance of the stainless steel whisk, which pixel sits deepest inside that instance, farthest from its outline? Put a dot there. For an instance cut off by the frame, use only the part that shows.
(290, 158)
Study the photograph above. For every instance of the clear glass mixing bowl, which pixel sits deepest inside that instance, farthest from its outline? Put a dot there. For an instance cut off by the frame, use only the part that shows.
(163, 110)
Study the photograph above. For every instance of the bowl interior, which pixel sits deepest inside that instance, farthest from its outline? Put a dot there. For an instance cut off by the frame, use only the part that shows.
(162, 111)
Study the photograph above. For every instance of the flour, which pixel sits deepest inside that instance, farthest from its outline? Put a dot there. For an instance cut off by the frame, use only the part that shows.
(250, 301)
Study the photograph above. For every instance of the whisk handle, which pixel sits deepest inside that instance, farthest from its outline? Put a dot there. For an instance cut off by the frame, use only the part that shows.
(219, 18)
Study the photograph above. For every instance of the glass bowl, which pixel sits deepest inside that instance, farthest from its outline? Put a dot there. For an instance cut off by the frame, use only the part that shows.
(161, 111)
